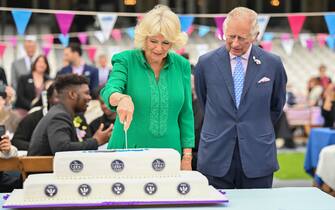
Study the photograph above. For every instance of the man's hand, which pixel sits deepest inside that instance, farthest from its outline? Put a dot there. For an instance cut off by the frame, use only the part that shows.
(5, 144)
(102, 136)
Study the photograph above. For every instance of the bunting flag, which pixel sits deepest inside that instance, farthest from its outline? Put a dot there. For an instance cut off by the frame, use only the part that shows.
(321, 38)
(267, 36)
(48, 39)
(82, 36)
(310, 44)
(219, 25)
(181, 51)
(218, 34)
(100, 36)
(13, 40)
(131, 32)
(91, 50)
(262, 23)
(287, 43)
(64, 21)
(303, 39)
(186, 22)
(266, 45)
(330, 21)
(107, 22)
(285, 36)
(203, 30)
(64, 39)
(116, 34)
(190, 30)
(21, 19)
(331, 42)
(2, 49)
(46, 49)
(296, 22)
(139, 18)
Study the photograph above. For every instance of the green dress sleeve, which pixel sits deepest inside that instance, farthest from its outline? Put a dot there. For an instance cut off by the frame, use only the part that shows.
(186, 118)
(117, 80)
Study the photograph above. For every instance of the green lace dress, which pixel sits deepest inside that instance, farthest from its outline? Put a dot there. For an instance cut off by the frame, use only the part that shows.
(163, 116)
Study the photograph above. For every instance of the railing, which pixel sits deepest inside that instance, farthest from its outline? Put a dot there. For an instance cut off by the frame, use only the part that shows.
(27, 164)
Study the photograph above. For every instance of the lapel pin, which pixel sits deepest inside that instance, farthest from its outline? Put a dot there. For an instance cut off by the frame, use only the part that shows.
(257, 61)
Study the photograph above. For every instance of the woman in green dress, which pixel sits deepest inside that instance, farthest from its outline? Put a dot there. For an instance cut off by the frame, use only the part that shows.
(150, 89)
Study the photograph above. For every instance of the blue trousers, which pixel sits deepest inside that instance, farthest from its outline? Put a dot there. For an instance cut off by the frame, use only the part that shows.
(236, 179)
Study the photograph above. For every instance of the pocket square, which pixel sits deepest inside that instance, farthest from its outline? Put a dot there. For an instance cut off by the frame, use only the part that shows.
(264, 79)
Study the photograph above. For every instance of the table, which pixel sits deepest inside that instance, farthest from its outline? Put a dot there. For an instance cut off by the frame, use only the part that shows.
(318, 139)
(303, 198)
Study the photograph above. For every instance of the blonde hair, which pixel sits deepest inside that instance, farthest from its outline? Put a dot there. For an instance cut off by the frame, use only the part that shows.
(244, 14)
(160, 20)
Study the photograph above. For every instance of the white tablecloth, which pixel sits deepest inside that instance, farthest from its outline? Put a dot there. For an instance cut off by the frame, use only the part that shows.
(326, 166)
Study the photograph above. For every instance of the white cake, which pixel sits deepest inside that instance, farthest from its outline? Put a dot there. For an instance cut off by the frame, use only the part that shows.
(136, 163)
(114, 176)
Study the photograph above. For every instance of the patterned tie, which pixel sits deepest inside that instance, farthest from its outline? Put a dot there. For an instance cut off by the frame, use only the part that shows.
(238, 77)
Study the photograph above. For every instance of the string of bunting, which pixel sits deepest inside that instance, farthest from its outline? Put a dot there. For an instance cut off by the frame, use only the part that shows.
(107, 21)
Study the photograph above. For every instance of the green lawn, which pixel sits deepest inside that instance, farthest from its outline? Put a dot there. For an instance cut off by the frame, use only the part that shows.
(291, 166)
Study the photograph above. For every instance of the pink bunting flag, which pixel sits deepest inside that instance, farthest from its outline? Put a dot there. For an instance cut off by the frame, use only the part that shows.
(82, 36)
(267, 45)
(321, 38)
(48, 39)
(91, 50)
(2, 49)
(64, 21)
(46, 49)
(13, 40)
(116, 34)
(285, 37)
(296, 22)
(219, 25)
(190, 30)
(181, 51)
(139, 18)
(310, 44)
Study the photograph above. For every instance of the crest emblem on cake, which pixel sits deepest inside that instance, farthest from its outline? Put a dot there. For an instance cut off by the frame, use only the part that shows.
(115, 177)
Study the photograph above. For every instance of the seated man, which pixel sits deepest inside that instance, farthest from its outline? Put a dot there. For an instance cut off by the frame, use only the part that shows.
(8, 182)
(55, 132)
(24, 131)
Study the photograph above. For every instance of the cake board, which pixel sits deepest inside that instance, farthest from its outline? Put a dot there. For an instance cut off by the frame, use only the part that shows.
(15, 200)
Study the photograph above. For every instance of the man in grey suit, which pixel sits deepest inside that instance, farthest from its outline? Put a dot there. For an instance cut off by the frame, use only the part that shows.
(56, 131)
(23, 65)
(242, 90)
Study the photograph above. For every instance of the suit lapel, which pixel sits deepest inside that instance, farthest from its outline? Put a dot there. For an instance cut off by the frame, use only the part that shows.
(252, 70)
(223, 64)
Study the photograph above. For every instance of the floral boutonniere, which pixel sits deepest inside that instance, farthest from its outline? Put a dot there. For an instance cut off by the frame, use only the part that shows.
(80, 127)
(257, 61)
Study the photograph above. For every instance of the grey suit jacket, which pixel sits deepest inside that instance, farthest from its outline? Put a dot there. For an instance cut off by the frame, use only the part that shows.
(55, 132)
(251, 125)
(19, 68)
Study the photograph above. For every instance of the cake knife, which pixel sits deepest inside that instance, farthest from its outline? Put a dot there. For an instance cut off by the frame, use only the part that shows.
(125, 135)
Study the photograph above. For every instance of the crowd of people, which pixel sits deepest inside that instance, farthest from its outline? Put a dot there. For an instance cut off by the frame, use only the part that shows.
(219, 116)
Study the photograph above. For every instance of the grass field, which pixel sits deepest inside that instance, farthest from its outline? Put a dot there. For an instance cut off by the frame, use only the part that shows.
(291, 166)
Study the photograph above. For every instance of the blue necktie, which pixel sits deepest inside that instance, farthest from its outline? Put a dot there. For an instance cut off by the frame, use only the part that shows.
(238, 77)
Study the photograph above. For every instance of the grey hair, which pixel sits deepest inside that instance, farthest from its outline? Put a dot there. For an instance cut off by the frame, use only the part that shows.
(243, 13)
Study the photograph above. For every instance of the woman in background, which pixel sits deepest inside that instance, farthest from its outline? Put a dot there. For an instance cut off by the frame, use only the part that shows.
(31, 85)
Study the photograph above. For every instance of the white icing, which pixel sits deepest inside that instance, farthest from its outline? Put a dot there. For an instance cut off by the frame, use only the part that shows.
(102, 188)
(137, 163)
(93, 169)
